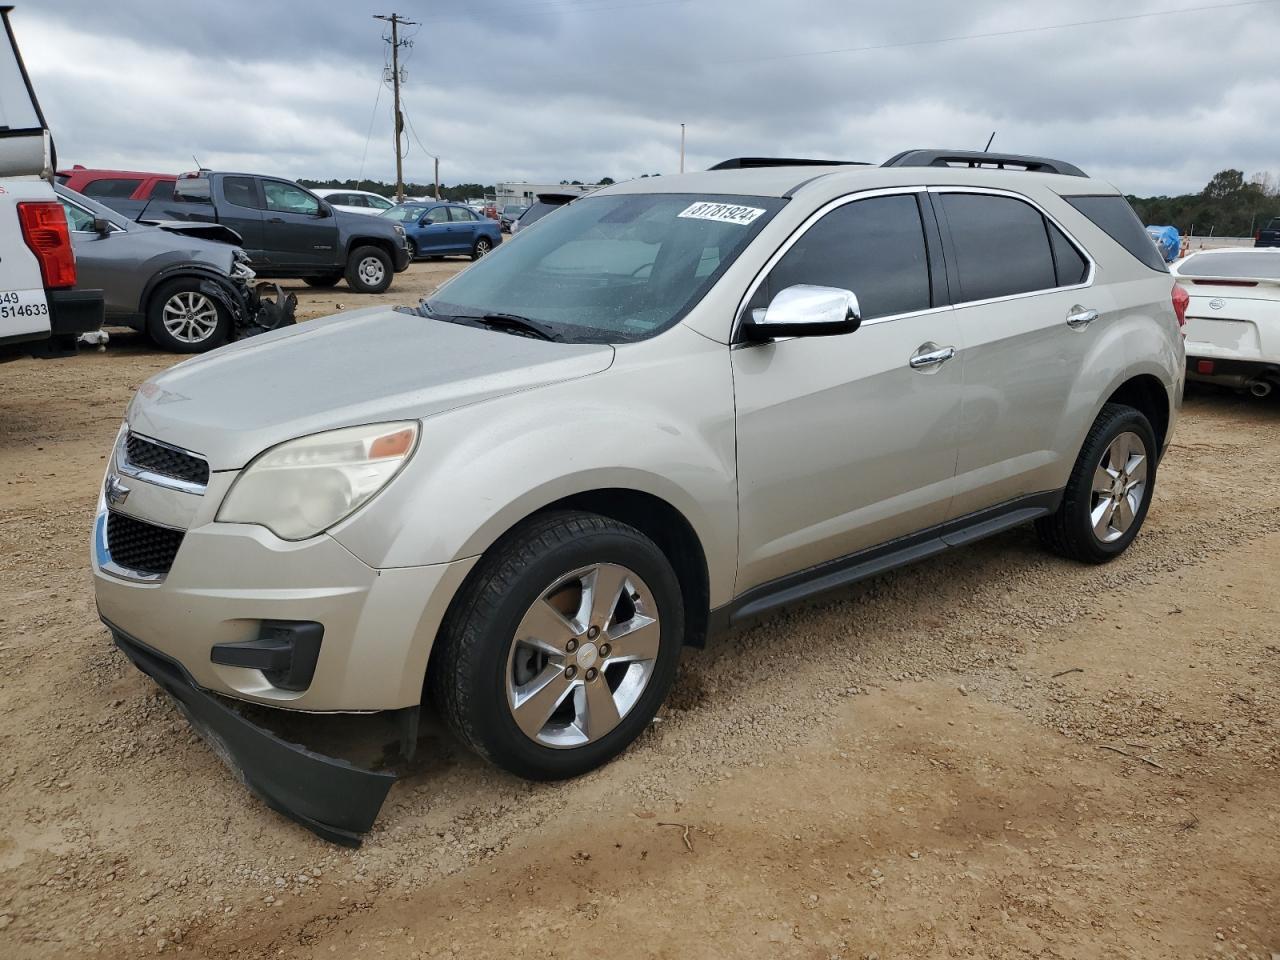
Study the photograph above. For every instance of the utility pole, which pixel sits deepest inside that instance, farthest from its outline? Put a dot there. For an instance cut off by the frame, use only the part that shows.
(437, 160)
(397, 117)
(682, 148)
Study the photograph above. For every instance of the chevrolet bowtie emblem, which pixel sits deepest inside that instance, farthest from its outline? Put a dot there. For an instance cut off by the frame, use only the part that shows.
(116, 492)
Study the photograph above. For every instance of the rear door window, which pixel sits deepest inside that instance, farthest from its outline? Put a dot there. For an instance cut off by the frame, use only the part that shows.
(111, 188)
(1000, 244)
(462, 215)
(242, 192)
(1112, 214)
(874, 247)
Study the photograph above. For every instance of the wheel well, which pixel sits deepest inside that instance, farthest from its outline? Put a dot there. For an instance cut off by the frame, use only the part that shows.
(159, 283)
(666, 527)
(1147, 394)
(382, 244)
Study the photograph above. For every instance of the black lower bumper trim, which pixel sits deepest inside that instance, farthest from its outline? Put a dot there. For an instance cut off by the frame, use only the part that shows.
(73, 312)
(330, 797)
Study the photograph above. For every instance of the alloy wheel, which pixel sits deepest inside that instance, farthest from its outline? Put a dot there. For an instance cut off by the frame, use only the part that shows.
(583, 655)
(1119, 485)
(482, 247)
(190, 317)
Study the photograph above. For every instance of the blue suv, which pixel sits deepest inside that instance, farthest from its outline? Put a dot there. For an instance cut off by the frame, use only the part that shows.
(441, 229)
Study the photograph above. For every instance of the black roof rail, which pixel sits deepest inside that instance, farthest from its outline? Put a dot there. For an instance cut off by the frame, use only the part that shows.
(745, 163)
(976, 159)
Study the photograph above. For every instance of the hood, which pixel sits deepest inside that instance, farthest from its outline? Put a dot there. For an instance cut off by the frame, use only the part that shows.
(372, 365)
(360, 221)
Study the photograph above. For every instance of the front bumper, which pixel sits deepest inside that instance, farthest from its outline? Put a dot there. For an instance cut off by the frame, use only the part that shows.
(402, 259)
(328, 796)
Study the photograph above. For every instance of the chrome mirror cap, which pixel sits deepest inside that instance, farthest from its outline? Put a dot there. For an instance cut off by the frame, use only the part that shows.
(805, 310)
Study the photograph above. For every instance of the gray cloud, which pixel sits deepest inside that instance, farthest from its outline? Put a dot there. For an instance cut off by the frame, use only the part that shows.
(577, 89)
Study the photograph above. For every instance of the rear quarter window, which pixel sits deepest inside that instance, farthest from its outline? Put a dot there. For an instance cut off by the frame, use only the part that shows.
(113, 188)
(1112, 214)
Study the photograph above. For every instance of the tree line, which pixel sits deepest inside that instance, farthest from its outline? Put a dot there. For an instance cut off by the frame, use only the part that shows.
(457, 193)
(1228, 206)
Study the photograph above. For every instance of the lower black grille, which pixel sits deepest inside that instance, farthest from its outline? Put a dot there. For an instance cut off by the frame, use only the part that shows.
(138, 545)
(166, 461)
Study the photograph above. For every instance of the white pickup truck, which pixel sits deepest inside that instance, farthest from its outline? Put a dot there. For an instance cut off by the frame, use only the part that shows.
(41, 312)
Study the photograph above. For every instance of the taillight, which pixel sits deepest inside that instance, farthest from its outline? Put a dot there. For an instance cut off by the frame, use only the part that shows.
(1181, 300)
(44, 228)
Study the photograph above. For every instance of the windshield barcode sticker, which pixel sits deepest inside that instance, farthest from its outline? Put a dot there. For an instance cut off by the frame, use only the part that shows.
(721, 212)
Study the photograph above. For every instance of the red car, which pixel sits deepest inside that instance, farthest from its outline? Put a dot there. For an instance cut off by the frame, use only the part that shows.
(124, 190)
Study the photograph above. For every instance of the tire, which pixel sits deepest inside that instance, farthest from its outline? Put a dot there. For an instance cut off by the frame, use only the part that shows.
(1096, 489)
(329, 280)
(479, 670)
(482, 246)
(183, 319)
(413, 249)
(369, 270)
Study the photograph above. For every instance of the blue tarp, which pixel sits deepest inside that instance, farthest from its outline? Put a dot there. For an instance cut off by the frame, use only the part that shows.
(1167, 241)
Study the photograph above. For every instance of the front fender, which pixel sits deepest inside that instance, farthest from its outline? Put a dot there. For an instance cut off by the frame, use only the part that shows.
(480, 470)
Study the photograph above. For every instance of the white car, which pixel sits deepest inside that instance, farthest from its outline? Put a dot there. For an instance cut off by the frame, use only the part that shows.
(356, 201)
(41, 311)
(1233, 319)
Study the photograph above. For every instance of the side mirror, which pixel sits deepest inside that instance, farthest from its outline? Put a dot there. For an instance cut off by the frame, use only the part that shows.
(424, 221)
(325, 210)
(805, 310)
(102, 226)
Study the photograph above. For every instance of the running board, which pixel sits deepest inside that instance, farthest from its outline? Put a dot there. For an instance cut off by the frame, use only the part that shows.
(834, 574)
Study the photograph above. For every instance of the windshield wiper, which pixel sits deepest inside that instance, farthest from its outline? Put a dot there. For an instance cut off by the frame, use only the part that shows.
(517, 324)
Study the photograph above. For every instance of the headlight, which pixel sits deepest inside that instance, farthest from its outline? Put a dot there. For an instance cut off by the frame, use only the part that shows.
(303, 487)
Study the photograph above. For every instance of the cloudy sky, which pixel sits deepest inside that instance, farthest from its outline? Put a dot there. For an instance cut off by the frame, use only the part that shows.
(580, 89)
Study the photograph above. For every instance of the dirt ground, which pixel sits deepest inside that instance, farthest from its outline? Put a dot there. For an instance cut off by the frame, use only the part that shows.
(994, 754)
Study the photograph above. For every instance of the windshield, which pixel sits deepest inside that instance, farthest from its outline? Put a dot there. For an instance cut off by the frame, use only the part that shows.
(1261, 265)
(403, 214)
(611, 269)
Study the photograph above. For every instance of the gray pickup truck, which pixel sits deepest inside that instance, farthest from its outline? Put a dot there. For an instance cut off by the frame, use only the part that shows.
(288, 231)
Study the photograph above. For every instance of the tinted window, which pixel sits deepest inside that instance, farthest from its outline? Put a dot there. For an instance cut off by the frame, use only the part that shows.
(438, 215)
(1068, 263)
(161, 190)
(117, 188)
(1001, 246)
(536, 212)
(462, 214)
(286, 198)
(1113, 215)
(874, 247)
(1260, 265)
(241, 191)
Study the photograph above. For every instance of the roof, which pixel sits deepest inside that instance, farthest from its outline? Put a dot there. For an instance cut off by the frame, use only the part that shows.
(786, 181)
(97, 172)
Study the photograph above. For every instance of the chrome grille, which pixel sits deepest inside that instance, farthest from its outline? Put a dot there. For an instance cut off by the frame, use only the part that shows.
(166, 461)
(141, 546)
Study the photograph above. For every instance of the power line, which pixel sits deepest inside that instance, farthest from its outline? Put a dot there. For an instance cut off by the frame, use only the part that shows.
(1001, 33)
(426, 151)
(368, 136)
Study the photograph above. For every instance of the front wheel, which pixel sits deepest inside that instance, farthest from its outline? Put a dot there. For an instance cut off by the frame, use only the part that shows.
(482, 246)
(183, 318)
(1109, 491)
(369, 270)
(561, 647)
(413, 248)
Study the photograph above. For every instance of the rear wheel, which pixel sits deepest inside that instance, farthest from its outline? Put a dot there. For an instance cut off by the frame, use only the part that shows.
(369, 270)
(482, 246)
(1110, 489)
(183, 318)
(561, 647)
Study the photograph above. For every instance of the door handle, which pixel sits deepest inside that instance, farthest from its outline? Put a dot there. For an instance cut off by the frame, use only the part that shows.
(929, 357)
(275, 220)
(1079, 317)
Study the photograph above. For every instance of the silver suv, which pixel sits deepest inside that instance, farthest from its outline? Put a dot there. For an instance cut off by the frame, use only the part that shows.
(674, 405)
